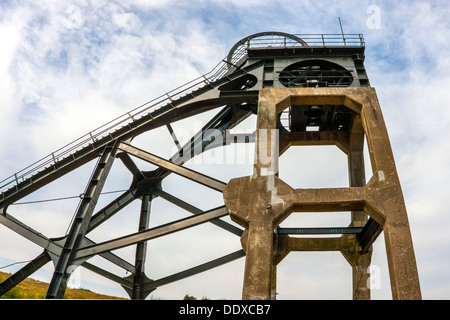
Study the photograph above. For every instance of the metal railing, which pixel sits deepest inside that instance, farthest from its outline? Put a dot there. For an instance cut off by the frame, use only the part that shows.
(308, 39)
(216, 73)
(327, 40)
(265, 40)
(280, 40)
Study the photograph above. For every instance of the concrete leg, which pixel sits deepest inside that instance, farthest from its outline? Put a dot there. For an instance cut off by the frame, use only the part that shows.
(261, 201)
(361, 275)
(258, 263)
(389, 198)
(356, 172)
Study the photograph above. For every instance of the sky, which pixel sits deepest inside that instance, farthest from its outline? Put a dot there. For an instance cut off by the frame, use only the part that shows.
(68, 67)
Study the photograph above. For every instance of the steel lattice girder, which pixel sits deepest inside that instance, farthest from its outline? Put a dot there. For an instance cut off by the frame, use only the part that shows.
(236, 91)
(65, 254)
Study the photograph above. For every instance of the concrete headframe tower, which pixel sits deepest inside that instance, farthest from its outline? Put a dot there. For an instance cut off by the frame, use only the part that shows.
(303, 90)
(323, 88)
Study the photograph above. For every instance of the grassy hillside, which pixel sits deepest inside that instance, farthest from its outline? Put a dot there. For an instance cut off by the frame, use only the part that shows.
(33, 289)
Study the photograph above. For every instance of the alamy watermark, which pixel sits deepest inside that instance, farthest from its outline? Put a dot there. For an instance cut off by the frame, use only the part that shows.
(374, 281)
(75, 276)
(215, 147)
(374, 19)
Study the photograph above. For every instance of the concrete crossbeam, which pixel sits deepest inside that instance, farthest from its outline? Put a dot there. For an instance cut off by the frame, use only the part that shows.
(262, 201)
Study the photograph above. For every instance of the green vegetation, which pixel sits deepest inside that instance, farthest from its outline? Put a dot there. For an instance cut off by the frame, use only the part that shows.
(33, 289)
(188, 297)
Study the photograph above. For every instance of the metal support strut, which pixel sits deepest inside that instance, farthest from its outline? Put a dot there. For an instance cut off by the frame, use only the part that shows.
(65, 266)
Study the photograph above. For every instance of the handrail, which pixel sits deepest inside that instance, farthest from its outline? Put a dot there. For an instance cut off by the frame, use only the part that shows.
(281, 40)
(266, 40)
(216, 73)
(333, 39)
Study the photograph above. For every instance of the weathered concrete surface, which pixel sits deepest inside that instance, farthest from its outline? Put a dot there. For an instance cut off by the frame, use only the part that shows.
(356, 171)
(262, 201)
(254, 203)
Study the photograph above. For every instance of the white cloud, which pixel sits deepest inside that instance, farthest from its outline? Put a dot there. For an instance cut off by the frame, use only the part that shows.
(68, 68)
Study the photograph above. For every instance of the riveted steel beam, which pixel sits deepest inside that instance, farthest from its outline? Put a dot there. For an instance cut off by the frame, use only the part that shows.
(193, 271)
(141, 249)
(184, 172)
(80, 224)
(30, 234)
(151, 233)
(112, 208)
(368, 235)
(111, 276)
(24, 272)
(188, 207)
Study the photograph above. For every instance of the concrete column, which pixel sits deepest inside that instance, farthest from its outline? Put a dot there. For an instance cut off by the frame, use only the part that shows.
(356, 172)
(254, 203)
(360, 276)
(261, 201)
(258, 262)
(399, 246)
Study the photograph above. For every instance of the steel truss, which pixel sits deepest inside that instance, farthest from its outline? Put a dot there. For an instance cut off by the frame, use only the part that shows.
(234, 89)
(75, 249)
